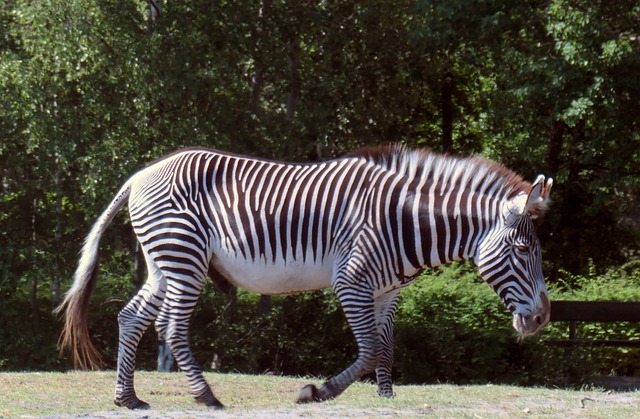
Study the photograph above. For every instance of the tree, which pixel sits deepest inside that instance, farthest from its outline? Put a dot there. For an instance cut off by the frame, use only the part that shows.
(563, 102)
(92, 92)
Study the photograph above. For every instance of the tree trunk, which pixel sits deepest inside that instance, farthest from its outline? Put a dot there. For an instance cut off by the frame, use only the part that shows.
(57, 238)
(447, 111)
(229, 312)
(256, 88)
(264, 305)
(293, 52)
(257, 80)
(155, 8)
(555, 146)
(165, 358)
(34, 283)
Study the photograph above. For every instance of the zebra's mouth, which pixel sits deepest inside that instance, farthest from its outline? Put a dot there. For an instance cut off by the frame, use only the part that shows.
(530, 323)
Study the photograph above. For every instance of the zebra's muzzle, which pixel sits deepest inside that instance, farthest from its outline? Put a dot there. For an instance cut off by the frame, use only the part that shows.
(529, 324)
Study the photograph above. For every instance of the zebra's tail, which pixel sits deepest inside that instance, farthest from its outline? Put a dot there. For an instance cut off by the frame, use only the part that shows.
(75, 306)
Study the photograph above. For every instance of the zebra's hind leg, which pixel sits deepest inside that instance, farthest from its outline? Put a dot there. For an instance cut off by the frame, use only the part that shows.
(358, 306)
(385, 313)
(133, 321)
(173, 324)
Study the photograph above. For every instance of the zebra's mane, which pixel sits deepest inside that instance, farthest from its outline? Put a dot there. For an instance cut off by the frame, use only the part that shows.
(450, 170)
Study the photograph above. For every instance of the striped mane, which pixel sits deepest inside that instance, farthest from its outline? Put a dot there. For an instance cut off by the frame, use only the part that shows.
(451, 170)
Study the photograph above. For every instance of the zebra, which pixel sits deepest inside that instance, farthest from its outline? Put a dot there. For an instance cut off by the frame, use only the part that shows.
(363, 225)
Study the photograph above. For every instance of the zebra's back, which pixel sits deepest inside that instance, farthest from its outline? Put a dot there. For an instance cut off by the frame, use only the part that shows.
(266, 226)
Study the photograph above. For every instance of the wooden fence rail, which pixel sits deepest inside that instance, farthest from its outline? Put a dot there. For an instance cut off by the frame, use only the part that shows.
(594, 311)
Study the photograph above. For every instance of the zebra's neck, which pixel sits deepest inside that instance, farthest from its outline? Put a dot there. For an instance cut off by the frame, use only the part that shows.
(445, 206)
(451, 222)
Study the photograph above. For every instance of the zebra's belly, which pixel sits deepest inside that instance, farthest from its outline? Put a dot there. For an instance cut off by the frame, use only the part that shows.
(268, 277)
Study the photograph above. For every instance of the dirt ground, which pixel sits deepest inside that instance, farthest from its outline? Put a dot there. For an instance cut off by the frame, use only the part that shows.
(585, 407)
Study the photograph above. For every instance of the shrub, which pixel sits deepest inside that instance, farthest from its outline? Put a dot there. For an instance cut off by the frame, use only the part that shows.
(617, 284)
(450, 327)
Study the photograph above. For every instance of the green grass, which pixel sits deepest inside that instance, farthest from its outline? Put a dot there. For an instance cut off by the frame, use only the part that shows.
(91, 394)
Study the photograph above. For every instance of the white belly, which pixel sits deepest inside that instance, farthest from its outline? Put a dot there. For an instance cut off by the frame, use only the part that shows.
(267, 277)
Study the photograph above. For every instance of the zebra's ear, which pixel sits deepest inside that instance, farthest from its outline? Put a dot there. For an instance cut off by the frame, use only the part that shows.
(533, 203)
(538, 197)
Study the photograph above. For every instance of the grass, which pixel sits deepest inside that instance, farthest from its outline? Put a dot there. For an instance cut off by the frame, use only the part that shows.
(91, 393)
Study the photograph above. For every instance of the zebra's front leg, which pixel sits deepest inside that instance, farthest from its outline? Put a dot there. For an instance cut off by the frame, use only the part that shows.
(173, 324)
(385, 313)
(358, 306)
(133, 321)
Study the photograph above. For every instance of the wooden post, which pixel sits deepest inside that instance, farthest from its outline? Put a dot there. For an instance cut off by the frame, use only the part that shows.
(572, 329)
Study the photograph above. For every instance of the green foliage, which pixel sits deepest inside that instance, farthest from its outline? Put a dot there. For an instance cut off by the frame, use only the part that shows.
(291, 338)
(621, 283)
(28, 335)
(452, 327)
(92, 91)
(562, 107)
(617, 284)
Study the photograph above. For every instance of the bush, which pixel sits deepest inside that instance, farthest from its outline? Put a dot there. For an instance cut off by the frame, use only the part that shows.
(617, 284)
(301, 334)
(28, 337)
(450, 327)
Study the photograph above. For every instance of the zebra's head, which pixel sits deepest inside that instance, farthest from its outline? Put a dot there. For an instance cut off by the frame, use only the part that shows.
(509, 259)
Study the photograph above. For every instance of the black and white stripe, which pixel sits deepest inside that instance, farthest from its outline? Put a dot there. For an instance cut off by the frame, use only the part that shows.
(363, 225)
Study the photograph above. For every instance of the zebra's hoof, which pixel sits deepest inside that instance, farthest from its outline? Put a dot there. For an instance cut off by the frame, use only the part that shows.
(309, 394)
(216, 406)
(133, 404)
(388, 393)
(210, 401)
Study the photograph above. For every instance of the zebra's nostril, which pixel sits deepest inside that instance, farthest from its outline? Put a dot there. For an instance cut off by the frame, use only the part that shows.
(538, 320)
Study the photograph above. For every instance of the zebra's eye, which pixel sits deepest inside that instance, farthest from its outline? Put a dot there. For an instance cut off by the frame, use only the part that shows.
(522, 248)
